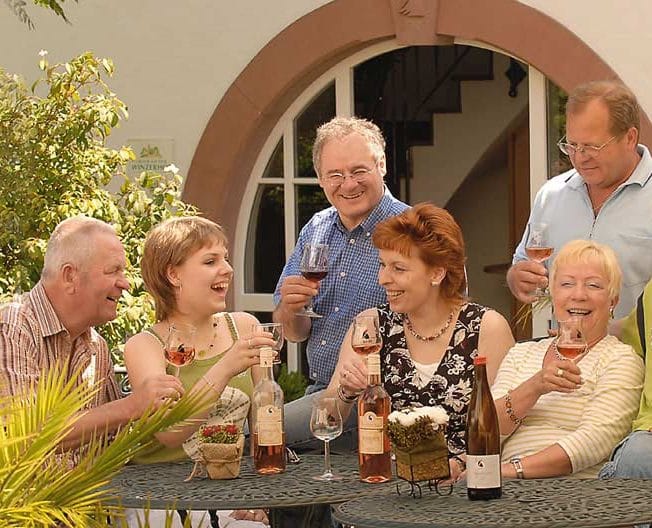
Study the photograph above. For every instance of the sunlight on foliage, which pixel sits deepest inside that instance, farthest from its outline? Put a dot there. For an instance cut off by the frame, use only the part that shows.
(39, 485)
(54, 164)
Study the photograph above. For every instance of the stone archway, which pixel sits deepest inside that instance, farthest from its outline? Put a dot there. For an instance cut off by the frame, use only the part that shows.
(303, 51)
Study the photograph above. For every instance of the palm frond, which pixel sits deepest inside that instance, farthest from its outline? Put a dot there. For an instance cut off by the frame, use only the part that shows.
(38, 484)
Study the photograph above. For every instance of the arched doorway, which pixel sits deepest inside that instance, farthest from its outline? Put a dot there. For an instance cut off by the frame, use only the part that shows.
(251, 152)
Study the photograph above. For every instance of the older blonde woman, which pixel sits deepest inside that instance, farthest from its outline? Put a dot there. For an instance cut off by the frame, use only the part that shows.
(564, 417)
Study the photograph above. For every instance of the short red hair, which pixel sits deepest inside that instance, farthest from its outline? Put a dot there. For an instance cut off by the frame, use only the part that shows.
(435, 237)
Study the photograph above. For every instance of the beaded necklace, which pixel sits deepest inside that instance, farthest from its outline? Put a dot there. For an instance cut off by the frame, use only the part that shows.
(436, 335)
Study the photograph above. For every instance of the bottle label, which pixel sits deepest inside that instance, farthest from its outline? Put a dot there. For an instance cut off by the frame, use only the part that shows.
(266, 357)
(269, 423)
(373, 365)
(370, 434)
(483, 471)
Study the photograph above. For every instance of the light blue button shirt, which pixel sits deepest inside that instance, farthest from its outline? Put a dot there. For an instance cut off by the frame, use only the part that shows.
(624, 222)
(351, 285)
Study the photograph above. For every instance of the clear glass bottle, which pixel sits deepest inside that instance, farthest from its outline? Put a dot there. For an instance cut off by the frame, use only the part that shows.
(483, 475)
(268, 434)
(373, 442)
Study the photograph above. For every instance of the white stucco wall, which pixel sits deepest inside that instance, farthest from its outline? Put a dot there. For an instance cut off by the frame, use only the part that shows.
(618, 31)
(174, 60)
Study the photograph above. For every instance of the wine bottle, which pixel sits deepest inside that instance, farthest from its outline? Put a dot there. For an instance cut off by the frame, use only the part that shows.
(268, 436)
(373, 441)
(483, 477)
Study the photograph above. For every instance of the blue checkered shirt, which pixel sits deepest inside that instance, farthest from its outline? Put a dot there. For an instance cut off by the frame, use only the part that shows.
(351, 285)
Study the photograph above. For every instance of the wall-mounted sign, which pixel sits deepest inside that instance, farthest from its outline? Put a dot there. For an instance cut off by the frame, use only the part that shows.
(152, 154)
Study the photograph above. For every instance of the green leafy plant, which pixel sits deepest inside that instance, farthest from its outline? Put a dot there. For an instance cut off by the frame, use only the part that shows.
(293, 384)
(54, 164)
(39, 485)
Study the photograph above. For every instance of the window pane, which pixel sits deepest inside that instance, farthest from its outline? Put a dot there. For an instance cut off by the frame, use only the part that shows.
(557, 162)
(265, 255)
(274, 167)
(320, 110)
(310, 199)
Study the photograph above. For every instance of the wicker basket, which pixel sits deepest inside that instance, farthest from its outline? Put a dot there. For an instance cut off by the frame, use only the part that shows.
(426, 461)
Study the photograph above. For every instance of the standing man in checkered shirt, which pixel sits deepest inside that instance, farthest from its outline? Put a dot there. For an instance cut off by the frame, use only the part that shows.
(349, 159)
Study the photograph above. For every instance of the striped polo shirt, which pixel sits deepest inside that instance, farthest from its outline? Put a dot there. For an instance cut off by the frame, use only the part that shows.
(586, 423)
(33, 339)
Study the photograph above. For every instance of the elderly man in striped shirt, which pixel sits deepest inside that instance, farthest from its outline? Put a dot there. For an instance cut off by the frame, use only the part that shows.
(81, 283)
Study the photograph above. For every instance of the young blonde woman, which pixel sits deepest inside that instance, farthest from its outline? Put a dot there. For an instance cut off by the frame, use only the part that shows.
(185, 268)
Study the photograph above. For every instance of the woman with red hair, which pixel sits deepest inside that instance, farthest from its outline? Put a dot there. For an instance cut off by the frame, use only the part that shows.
(431, 332)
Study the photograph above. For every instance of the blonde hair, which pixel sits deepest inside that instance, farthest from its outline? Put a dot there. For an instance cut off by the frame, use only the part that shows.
(588, 251)
(71, 242)
(624, 111)
(341, 127)
(168, 245)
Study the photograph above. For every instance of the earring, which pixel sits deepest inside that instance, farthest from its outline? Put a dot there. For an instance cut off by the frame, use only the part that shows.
(611, 311)
(434, 283)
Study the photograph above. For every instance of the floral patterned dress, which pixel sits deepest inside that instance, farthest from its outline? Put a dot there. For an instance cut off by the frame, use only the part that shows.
(452, 382)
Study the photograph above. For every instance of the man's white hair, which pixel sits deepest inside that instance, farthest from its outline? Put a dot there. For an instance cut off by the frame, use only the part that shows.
(71, 243)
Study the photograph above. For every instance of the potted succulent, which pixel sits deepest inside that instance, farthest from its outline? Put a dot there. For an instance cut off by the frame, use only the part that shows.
(221, 447)
(419, 443)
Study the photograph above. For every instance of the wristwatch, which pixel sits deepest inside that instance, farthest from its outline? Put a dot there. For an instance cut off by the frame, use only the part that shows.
(516, 462)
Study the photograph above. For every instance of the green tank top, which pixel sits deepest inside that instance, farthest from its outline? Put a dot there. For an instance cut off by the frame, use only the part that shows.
(189, 375)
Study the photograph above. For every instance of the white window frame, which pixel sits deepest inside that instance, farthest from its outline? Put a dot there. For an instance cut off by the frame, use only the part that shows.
(342, 74)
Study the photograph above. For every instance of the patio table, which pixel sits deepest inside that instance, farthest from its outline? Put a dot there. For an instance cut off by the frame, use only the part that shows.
(162, 486)
(543, 503)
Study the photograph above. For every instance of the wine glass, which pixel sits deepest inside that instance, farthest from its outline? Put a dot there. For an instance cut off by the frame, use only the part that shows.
(538, 248)
(326, 424)
(365, 335)
(276, 329)
(314, 266)
(180, 345)
(571, 342)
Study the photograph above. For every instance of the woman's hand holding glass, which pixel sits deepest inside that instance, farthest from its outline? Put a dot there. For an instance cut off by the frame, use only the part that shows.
(245, 352)
(326, 424)
(353, 374)
(559, 375)
(274, 331)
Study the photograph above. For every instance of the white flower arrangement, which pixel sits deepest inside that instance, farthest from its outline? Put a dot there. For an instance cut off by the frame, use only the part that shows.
(406, 417)
(410, 427)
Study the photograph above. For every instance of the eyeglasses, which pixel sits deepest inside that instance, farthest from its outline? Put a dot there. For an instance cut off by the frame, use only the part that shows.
(570, 149)
(335, 179)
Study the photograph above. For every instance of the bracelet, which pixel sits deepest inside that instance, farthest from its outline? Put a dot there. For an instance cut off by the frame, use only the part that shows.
(518, 466)
(510, 411)
(460, 462)
(210, 384)
(346, 398)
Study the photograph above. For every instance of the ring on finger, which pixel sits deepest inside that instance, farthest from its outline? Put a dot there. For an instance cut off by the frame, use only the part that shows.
(560, 373)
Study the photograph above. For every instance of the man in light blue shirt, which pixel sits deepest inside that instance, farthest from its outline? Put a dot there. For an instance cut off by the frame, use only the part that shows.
(349, 159)
(607, 196)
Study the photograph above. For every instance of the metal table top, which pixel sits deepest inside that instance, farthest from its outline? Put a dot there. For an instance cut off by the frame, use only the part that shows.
(549, 503)
(162, 486)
